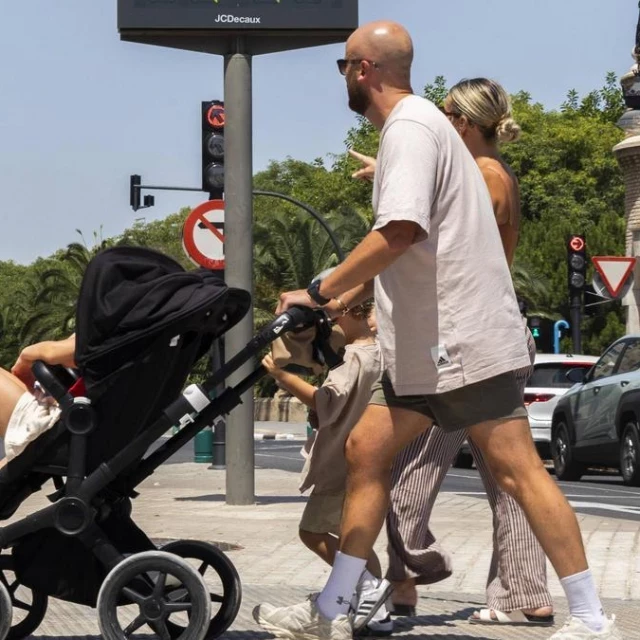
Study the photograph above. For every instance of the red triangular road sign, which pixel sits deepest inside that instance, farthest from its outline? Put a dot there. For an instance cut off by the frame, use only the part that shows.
(614, 271)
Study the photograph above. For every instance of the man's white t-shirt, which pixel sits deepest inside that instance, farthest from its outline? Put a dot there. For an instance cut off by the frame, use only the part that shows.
(446, 309)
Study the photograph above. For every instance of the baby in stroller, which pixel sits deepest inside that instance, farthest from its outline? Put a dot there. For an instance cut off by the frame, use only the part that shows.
(26, 411)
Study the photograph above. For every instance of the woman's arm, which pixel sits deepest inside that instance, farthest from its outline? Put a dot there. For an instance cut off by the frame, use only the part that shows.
(51, 351)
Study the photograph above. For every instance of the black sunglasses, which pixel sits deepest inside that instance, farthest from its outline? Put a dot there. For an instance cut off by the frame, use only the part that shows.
(343, 63)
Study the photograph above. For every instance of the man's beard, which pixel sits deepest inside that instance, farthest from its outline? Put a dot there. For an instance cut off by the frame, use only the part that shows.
(358, 100)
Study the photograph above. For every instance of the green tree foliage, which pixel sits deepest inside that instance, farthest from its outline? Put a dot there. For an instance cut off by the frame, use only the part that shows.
(162, 235)
(570, 183)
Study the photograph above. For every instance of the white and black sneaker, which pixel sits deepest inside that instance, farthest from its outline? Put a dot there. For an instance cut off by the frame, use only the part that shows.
(371, 617)
(302, 622)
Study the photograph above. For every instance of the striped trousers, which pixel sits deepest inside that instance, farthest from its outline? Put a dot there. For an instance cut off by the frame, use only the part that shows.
(518, 571)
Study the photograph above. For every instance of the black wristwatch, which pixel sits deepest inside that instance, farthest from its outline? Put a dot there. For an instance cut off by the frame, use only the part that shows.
(314, 293)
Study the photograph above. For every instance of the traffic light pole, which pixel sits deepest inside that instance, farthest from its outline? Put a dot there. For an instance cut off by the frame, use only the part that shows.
(576, 320)
(240, 475)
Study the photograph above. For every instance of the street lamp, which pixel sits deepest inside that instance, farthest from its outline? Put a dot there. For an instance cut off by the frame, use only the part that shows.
(630, 81)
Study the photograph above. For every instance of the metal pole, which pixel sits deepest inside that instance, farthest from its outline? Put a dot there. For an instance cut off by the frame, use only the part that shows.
(576, 319)
(219, 428)
(557, 328)
(240, 474)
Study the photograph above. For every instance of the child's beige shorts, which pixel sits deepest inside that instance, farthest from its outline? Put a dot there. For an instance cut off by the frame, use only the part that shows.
(323, 513)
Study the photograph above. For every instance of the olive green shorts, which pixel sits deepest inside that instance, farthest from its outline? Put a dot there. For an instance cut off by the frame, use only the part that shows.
(496, 398)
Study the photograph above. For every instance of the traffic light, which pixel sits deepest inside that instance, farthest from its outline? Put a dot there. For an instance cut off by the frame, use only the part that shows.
(134, 194)
(213, 119)
(542, 332)
(577, 264)
(534, 326)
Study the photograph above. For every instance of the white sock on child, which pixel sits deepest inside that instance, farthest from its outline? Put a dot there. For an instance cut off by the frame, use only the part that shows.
(367, 579)
(335, 598)
(584, 602)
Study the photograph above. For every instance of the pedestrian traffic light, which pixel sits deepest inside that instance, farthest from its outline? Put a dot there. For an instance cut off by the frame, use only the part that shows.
(577, 264)
(213, 119)
(542, 333)
(536, 329)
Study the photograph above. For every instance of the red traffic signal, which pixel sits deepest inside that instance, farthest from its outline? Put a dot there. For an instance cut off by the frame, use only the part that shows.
(577, 263)
(213, 122)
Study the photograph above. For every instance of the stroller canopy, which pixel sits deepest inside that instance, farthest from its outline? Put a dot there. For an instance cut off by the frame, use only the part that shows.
(130, 296)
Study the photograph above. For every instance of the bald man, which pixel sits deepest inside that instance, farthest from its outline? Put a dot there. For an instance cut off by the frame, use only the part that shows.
(435, 262)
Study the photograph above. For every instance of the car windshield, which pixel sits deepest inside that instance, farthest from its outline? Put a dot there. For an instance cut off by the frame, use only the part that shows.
(554, 374)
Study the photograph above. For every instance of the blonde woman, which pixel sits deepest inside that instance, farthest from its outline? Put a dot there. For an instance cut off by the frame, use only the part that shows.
(517, 591)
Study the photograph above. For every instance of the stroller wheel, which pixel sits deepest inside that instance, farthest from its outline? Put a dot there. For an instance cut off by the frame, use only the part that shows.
(29, 606)
(221, 578)
(154, 589)
(6, 612)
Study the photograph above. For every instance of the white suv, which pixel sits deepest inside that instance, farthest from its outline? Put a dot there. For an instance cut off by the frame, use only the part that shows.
(547, 385)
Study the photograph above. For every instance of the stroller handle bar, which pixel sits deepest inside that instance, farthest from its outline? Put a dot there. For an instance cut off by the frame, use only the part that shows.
(297, 317)
(55, 379)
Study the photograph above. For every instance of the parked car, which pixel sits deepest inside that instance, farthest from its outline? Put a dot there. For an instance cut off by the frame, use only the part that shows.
(547, 384)
(596, 423)
(545, 387)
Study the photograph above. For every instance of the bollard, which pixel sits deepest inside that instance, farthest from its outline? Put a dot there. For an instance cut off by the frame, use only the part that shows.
(218, 444)
(202, 446)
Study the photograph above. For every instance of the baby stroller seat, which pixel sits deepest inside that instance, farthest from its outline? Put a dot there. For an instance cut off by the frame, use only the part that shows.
(142, 323)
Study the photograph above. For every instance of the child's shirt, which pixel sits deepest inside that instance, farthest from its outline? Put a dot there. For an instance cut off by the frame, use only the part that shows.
(340, 402)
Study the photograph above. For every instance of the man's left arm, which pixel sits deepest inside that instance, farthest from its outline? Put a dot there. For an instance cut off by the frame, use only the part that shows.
(408, 165)
(374, 254)
(408, 169)
(378, 250)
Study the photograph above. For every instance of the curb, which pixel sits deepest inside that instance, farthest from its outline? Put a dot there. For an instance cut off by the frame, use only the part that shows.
(275, 436)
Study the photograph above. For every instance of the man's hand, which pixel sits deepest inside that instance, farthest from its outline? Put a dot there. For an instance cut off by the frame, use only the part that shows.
(368, 170)
(289, 299)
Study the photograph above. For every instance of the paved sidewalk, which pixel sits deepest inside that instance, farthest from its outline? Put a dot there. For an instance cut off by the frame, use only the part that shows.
(187, 501)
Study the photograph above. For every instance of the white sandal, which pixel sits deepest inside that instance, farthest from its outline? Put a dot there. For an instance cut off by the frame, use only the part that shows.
(517, 617)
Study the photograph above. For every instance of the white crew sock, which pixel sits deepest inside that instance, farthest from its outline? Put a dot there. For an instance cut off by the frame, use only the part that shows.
(335, 598)
(584, 602)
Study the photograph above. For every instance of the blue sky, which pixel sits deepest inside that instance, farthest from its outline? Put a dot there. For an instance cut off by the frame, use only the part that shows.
(80, 111)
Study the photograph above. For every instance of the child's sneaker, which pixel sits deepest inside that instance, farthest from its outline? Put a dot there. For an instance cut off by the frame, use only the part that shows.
(371, 616)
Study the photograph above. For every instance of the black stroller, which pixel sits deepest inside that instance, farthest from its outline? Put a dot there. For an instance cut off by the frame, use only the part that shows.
(142, 323)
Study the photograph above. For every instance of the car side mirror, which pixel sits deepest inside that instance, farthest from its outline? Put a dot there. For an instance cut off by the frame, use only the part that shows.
(578, 375)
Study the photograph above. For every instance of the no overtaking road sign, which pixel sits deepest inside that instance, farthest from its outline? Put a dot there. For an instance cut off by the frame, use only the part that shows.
(203, 235)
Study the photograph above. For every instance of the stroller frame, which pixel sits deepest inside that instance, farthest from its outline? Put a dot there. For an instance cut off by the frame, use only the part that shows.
(192, 411)
(75, 510)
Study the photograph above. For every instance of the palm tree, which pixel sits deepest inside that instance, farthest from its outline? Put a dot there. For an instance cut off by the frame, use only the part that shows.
(533, 288)
(54, 295)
